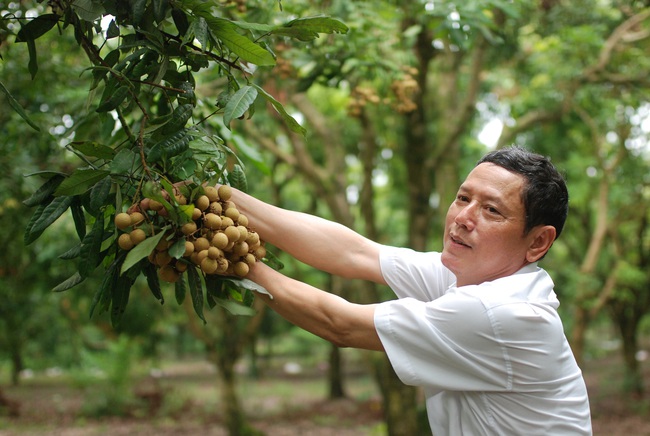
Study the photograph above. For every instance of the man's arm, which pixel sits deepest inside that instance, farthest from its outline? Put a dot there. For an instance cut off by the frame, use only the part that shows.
(322, 244)
(326, 315)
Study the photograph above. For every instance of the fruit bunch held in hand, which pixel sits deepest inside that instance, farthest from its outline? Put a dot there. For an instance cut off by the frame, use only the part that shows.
(196, 227)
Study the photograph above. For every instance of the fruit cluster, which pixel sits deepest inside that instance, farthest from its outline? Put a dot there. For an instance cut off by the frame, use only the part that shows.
(217, 239)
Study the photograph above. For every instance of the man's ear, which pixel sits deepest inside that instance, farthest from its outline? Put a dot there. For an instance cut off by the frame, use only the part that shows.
(541, 239)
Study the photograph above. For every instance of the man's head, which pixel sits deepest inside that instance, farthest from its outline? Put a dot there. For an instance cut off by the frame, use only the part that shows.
(545, 195)
(506, 214)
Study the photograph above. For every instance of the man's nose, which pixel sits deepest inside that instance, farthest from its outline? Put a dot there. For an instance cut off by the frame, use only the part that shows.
(466, 216)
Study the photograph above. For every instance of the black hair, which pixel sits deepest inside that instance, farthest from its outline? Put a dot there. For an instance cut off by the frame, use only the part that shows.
(544, 195)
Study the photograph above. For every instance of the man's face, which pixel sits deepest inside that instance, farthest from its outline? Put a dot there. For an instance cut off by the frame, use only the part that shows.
(484, 230)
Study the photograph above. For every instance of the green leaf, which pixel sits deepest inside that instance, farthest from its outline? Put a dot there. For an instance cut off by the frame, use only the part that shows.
(160, 9)
(45, 191)
(103, 294)
(151, 273)
(169, 147)
(36, 27)
(236, 308)
(91, 248)
(309, 28)
(18, 108)
(240, 45)
(180, 290)
(114, 99)
(32, 65)
(72, 253)
(239, 104)
(196, 292)
(46, 217)
(178, 248)
(142, 250)
(179, 118)
(78, 217)
(99, 194)
(125, 162)
(237, 178)
(68, 283)
(88, 10)
(288, 119)
(137, 10)
(93, 149)
(80, 181)
(120, 298)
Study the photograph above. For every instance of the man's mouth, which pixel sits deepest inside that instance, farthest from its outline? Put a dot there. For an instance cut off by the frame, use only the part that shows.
(456, 240)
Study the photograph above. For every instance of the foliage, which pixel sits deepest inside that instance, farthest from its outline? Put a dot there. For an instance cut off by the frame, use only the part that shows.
(147, 129)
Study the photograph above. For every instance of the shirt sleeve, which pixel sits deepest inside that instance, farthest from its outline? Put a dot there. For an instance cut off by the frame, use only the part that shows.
(409, 273)
(446, 344)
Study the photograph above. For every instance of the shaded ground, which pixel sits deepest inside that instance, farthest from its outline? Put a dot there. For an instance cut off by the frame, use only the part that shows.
(183, 400)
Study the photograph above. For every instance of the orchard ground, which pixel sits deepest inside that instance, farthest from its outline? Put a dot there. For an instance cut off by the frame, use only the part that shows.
(183, 398)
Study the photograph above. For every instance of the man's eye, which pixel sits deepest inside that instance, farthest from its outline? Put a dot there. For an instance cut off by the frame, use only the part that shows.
(462, 198)
(493, 210)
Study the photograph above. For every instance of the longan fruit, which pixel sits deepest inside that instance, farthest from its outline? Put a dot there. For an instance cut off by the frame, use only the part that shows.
(188, 228)
(196, 213)
(216, 208)
(169, 274)
(201, 244)
(155, 205)
(249, 258)
(124, 241)
(181, 267)
(241, 269)
(145, 204)
(137, 236)
(222, 265)
(181, 199)
(226, 222)
(233, 233)
(242, 220)
(240, 249)
(212, 221)
(163, 258)
(214, 253)
(232, 213)
(260, 252)
(202, 203)
(220, 240)
(201, 255)
(225, 192)
(122, 220)
(243, 233)
(212, 193)
(252, 238)
(209, 265)
(136, 218)
(189, 249)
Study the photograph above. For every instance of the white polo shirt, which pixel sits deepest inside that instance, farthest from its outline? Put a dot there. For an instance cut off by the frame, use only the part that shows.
(492, 358)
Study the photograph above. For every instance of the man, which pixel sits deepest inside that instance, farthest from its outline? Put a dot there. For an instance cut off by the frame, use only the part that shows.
(476, 325)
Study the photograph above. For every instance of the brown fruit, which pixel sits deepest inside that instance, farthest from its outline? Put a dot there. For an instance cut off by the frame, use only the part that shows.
(252, 238)
(212, 221)
(201, 255)
(214, 253)
(201, 244)
(203, 202)
(220, 240)
(226, 222)
(137, 236)
(223, 265)
(122, 220)
(242, 220)
(136, 218)
(249, 259)
(209, 265)
(189, 249)
(233, 233)
(181, 199)
(243, 233)
(225, 192)
(260, 252)
(196, 213)
(145, 204)
(181, 266)
(169, 274)
(124, 241)
(163, 258)
(240, 249)
(216, 208)
(155, 205)
(188, 228)
(232, 213)
(241, 269)
(212, 193)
